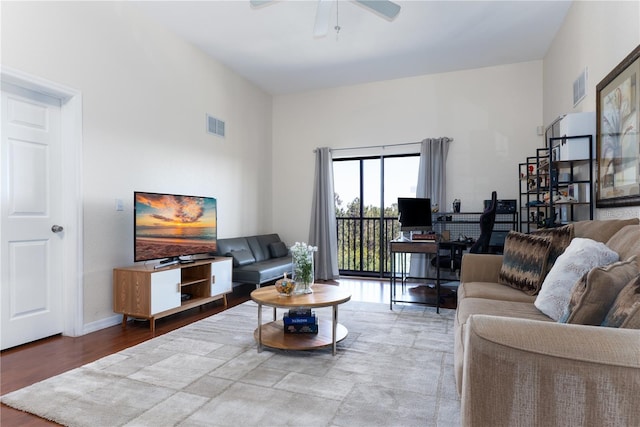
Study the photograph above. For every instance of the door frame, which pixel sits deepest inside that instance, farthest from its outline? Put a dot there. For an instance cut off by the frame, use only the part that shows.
(71, 138)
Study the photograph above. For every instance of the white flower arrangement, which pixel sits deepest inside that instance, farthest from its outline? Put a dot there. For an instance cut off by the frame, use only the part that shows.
(302, 248)
(302, 255)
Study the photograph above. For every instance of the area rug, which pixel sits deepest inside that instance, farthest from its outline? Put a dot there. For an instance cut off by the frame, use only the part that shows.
(395, 368)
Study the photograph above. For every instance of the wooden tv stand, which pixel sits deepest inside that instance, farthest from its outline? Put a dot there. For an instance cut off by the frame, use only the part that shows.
(142, 291)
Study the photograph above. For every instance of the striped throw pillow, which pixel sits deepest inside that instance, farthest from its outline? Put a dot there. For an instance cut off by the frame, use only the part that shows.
(524, 264)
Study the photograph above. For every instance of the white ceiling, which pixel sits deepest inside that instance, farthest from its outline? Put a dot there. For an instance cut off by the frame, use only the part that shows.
(273, 46)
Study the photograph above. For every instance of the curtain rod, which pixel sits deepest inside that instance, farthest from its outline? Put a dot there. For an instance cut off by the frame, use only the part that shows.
(378, 146)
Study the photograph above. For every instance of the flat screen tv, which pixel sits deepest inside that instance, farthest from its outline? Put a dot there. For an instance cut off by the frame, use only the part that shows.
(414, 214)
(170, 226)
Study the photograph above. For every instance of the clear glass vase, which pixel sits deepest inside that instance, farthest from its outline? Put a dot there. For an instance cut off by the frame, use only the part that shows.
(303, 273)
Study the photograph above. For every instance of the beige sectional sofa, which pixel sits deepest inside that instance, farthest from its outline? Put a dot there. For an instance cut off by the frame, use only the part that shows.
(515, 366)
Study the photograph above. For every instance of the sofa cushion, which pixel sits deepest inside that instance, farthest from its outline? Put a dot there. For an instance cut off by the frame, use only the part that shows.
(278, 249)
(263, 271)
(581, 256)
(625, 312)
(225, 246)
(626, 242)
(524, 263)
(520, 310)
(601, 230)
(560, 239)
(242, 257)
(491, 290)
(259, 253)
(593, 295)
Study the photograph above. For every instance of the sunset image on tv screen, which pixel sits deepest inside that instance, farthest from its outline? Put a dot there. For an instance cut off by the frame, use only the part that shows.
(171, 225)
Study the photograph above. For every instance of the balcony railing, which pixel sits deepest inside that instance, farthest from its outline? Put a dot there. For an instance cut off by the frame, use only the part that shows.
(363, 245)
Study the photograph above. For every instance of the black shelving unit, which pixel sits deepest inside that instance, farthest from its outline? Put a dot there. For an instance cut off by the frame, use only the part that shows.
(572, 180)
(534, 191)
(555, 185)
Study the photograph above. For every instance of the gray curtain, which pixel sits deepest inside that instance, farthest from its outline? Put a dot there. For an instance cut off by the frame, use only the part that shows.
(432, 172)
(323, 232)
(432, 176)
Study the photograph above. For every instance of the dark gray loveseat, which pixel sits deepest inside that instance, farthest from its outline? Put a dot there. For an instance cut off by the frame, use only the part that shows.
(256, 259)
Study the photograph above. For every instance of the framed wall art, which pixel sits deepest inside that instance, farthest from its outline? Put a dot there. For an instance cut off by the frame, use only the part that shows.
(618, 135)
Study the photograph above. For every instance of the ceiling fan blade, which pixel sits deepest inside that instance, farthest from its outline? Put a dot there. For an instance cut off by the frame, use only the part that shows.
(259, 3)
(323, 16)
(385, 8)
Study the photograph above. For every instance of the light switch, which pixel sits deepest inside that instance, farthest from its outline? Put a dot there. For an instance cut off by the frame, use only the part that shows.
(119, 205)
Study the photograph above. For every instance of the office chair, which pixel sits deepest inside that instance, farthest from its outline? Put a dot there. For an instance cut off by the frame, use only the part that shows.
(487, 220)
(481, 246)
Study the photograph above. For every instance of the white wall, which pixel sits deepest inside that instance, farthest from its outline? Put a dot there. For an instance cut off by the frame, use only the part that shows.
(491, 113)
(145, 96)
(597, 35)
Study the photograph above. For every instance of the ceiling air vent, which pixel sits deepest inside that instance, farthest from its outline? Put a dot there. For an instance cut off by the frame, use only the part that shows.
(215, 126)
(580, 87)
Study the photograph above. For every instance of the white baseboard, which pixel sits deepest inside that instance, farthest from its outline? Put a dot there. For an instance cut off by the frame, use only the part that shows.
(102, 323)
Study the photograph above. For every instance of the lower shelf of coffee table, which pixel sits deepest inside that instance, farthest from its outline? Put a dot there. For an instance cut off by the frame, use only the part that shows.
(273, 336)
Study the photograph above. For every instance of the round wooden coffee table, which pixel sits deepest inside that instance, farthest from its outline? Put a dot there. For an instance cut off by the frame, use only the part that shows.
(329, 332)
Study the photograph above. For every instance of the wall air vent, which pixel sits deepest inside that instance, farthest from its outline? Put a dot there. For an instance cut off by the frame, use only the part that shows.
(580, 88)
(215, 126)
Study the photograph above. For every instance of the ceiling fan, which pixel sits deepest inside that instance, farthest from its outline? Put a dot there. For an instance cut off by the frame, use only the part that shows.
(384, 8)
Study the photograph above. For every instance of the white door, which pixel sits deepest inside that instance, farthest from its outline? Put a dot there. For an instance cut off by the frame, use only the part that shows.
(32, 236)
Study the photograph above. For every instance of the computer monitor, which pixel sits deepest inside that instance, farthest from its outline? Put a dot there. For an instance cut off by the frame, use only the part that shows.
(414, 213)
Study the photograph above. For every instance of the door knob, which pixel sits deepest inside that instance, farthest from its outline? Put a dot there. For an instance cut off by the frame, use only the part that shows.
(57, 228)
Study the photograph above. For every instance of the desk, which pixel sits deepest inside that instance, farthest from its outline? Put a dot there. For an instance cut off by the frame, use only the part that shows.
(456, 250)
(413, 247)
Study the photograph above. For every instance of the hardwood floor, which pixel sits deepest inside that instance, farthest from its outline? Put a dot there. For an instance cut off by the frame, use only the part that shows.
(27, 364)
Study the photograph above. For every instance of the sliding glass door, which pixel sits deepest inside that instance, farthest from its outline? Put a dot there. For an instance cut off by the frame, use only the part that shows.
(366, 198)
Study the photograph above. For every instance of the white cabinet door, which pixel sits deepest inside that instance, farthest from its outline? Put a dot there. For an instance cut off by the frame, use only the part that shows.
(221, 277)
(165, 290)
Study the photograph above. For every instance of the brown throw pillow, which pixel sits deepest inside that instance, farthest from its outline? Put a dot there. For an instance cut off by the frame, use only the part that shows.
(560, 239)
(524, 263)
(593, 295)
(625, 312)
